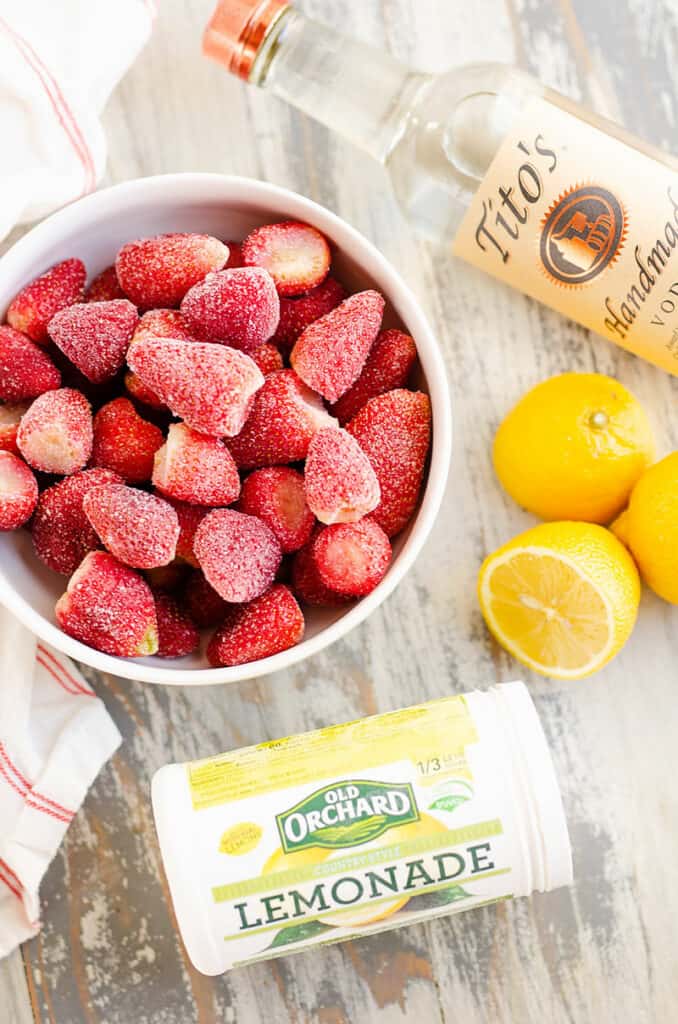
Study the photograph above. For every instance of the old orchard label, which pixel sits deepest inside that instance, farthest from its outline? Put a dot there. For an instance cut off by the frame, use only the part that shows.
(347, 815)
(585, 224)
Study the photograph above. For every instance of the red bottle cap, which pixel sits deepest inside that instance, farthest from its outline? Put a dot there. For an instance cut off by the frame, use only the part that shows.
(237, 30)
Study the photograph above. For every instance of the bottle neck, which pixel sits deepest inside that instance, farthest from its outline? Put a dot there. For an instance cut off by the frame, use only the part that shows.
(355, 90)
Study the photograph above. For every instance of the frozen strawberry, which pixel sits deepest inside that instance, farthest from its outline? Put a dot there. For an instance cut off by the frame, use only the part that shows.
(36, 304)
(10, 417)
(167, 577)
(190, 518)
(162, 323)
(157, 272)
(61, 531)
(307, 583)
(137, 389)
(352, 558)
(138, 528)
(388, 366)
(266, 626)
(105, 287)
(95, 336)
(296, 255)
(394, 431)
(330, 354)
(195, 468)
(234, 256)
(55, 435)
(25, 370)
(285, 416)
(268, 359)
(297, 314)
(204, 605)
(109, 607)
(276, 496)
(211, 387)
(18, 491)
(341, 486)
(124, 441)
(236, 307)
(177, 633)
(238, 554)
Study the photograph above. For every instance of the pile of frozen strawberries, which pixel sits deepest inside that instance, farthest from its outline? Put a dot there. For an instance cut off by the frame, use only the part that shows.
(211, 435)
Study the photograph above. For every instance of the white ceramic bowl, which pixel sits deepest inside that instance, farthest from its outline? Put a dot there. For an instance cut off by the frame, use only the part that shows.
(94, 228)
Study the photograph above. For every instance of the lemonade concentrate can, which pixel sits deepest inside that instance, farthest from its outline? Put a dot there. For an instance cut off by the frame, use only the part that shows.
(362, 827)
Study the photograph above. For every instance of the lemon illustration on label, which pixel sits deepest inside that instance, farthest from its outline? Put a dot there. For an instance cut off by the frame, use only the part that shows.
(240, 838)
(366, 914)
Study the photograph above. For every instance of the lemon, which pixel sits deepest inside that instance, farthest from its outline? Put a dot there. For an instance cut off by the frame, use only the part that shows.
(573, 448)
(649, 527)
(562, 597)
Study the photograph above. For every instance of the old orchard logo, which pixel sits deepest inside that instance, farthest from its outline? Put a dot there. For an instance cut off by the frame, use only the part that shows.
(582, 233)
(347, 814)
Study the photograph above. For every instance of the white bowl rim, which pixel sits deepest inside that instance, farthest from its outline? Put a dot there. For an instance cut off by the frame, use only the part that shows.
(185, 185)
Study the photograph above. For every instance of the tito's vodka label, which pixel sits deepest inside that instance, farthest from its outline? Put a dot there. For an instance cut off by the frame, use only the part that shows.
(585, 224)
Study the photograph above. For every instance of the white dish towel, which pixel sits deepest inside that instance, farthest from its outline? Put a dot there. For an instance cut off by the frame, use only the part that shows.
(55, 735)
(59, 62)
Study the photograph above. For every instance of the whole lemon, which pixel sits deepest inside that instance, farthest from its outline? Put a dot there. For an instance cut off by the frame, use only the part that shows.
(573, 448)
(649, 527)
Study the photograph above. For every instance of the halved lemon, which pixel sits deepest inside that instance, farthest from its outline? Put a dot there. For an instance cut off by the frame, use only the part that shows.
(562, 598)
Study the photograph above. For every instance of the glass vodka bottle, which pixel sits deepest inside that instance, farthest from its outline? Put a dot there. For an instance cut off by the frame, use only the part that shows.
(509, 175)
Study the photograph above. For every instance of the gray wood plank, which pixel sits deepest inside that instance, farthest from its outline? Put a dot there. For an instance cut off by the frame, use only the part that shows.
(109, 953)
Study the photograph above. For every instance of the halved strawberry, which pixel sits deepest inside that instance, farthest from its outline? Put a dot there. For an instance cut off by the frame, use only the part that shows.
(297, 314)
(394, 431)
(235, 307)
(211, 387)
(177, 633)
(61, 531)
(341, 486)
(35, 305)
(95, 336)
(10, 417)
(18, 491)
(109, 607)
(105, 287)
(156, 272)
(196, 468)
(285, 415)
(124, 441)
(267, 625)
(140, 529)
(388, 366)
(238, 554)
(55, 435)
(276, 496)
(25, 370)
(296, 255)
(330, 354)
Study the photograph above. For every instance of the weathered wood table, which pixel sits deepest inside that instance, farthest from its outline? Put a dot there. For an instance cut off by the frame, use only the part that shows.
(608, 949)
